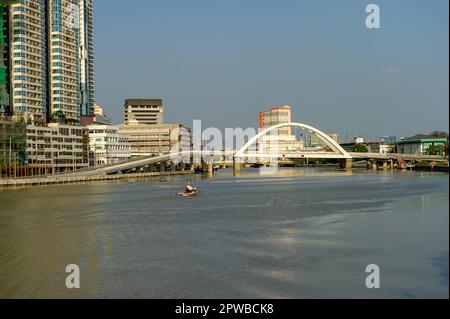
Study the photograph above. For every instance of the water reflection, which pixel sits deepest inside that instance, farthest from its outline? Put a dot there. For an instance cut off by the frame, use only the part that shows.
(299, 233)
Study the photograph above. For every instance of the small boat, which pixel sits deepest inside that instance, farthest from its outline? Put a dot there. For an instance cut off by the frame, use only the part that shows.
(188, 194)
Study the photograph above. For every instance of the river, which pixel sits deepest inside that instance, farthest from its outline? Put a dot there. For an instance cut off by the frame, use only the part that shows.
(297, 233)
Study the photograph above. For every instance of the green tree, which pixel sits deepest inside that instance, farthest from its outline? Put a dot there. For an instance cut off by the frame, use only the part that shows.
(359, 148)
(58, 117)
(438, 149)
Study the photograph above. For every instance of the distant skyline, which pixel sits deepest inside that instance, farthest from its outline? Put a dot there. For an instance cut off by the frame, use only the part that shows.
(224, 61)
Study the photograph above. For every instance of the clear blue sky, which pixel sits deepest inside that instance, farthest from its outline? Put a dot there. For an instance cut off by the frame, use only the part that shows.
(223, 61)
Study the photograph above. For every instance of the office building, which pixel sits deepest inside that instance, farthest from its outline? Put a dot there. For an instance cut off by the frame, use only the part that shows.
(143, 111)
(280, 141)
(56, 147)
(147, 140)
(275, 116)
(107, 145)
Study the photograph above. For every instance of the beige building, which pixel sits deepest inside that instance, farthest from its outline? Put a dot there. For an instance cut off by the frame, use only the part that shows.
(147, 140)
(143, 111)
(281, 140)
(58, 146)
(107, 145)
(275, 116)
(285, 144)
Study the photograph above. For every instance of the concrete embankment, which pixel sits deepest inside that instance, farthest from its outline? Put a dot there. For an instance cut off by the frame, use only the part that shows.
(61, 179)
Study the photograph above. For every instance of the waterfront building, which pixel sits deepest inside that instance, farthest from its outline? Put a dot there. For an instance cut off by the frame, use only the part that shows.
(147, 140)
(12, 141)
(58, 147)
(28, 59)
(423, 145)
(107, 145)
(47, 71)
(143, 111)
(381, 147)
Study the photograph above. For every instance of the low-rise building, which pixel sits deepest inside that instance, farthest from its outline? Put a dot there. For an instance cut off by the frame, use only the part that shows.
(381, 148)
(107, 145)
(147, 140)
(284, 144)
(422, 145)
(389, 139)
(58, 147)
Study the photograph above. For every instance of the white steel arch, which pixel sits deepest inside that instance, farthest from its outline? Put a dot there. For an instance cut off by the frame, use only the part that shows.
(325, 137)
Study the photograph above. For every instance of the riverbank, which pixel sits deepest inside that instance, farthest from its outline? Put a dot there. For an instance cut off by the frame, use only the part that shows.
(61, 179)
(428, 168)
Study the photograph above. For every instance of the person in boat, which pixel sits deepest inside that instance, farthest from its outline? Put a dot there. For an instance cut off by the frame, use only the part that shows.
(189, 188)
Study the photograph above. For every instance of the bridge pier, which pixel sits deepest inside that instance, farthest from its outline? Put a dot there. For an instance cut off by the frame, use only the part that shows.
(162, 166)
(391, 165)
(346, 163)
(236, 166)
(208, 167)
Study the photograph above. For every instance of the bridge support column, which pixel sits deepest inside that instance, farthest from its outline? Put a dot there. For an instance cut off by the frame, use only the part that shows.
(162, 167)
(374, 165)
(346, 163)
(210, 168)
(236, 166)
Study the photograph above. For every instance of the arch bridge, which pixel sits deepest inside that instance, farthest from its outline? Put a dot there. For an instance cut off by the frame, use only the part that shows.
(252, 152)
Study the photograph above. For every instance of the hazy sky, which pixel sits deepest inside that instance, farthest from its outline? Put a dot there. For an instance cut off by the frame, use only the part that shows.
(223, 61)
